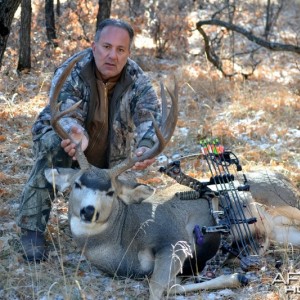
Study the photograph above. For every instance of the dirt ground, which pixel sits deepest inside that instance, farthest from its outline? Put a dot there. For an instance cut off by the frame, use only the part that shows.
(258, 119)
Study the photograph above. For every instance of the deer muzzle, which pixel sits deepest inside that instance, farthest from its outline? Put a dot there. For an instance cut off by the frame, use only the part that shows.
(89, 214)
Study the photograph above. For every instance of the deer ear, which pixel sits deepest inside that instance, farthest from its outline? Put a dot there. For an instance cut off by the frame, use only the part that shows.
(60, 178)
(130, 192)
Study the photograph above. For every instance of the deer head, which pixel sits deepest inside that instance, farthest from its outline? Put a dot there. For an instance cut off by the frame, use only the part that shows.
(91, 183)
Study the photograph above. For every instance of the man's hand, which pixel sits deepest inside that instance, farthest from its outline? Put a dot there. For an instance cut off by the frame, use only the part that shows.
(142, 164)
(77, 136)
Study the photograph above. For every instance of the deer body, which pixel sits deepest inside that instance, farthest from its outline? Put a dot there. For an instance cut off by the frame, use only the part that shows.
(135, 234)
(124, 239)
(277, 207)
(136, 239)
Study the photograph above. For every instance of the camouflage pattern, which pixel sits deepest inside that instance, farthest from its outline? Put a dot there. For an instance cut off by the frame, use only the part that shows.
(130, 127)
(37, 194)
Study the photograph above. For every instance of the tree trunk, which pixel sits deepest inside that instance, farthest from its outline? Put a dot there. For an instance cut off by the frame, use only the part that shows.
(7, 12)
(25, 29)
(136, 4)
(50, 22)
(268, 20)
(134, 8)
(103, 11)
(58, 7)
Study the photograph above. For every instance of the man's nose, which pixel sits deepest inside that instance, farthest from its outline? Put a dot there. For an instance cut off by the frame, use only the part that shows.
(113, 53)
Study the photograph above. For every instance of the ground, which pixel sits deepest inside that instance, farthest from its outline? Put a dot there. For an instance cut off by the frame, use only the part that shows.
(257, 118)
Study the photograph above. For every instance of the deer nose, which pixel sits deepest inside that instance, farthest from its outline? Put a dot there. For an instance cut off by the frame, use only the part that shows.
(89, 214)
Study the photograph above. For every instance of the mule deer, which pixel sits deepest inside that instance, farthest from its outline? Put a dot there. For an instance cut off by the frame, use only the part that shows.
(155, 236)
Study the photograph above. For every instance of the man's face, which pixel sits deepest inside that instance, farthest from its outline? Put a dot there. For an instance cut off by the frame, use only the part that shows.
(111, 51)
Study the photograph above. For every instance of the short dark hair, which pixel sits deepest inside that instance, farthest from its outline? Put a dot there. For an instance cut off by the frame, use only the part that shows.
(116, 23)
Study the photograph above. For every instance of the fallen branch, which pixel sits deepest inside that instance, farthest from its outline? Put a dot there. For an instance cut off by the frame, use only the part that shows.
(210, 53)
(259, 41)
(217, 62)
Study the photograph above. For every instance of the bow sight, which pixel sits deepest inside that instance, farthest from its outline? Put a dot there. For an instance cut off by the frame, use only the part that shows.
(227, 205)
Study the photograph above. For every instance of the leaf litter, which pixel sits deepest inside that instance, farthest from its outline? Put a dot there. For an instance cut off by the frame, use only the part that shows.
(257, 119)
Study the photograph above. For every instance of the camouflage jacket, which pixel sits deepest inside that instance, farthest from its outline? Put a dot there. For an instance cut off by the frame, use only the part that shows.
(132, 100)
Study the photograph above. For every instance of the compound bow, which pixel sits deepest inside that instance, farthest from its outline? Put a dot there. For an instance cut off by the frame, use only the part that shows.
(227, 207)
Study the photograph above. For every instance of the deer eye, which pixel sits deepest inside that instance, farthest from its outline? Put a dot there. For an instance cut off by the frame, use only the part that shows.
(77, 185)
(110, 193)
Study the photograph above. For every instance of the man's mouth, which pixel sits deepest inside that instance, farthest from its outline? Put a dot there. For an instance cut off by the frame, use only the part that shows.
(110, 65)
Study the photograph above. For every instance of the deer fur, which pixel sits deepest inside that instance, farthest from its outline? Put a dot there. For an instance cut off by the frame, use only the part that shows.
(155, 237)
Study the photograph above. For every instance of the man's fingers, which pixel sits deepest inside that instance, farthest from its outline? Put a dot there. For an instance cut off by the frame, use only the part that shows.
(68, 147)
(65, 143)
(72, 152)
(75, 130)
(139, 152)
(143, 164)
(76, 134)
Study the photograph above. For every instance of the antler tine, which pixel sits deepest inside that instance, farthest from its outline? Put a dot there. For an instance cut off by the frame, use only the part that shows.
(169, 125)
(56, 114)
(163, 134)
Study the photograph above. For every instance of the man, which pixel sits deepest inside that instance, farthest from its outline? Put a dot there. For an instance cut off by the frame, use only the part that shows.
(112, 119)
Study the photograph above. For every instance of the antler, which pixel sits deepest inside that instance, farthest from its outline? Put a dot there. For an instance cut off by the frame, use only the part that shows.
(56, 114)
(163, 134)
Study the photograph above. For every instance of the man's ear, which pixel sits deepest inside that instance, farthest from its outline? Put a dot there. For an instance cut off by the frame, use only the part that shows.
(60, 178)
(93, 46)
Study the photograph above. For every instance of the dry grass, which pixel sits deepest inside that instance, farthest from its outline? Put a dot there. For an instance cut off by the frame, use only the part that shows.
(258, 119)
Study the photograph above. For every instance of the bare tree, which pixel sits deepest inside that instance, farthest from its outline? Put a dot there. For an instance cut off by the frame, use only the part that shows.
(7, 12)
(50, 22)
(58, 12)
(271, 16)
(167, 25)
(25, 29)
(103, 11)
(221, 45)
(215, 60)
(136, 3)
(134, 7)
